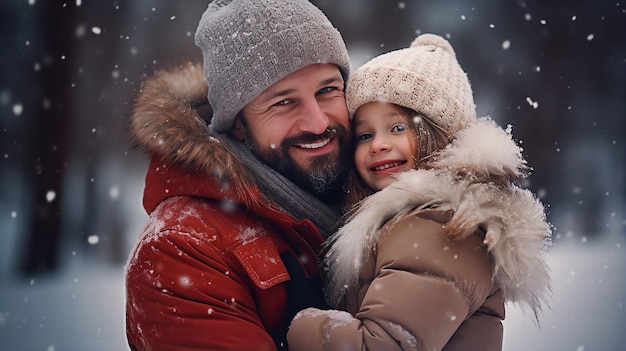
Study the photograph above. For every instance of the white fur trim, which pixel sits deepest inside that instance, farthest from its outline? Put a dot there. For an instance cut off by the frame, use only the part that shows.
(484, 148)
(517, 230)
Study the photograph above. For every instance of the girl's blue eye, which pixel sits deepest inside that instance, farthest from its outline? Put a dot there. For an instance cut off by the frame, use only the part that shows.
(398, 128)
(364, 136)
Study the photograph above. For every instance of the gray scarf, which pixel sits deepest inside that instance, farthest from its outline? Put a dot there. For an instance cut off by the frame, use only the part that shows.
(282, 192)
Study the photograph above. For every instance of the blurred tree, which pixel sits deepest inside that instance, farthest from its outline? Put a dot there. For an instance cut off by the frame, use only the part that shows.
(70, 70)
(45, 154)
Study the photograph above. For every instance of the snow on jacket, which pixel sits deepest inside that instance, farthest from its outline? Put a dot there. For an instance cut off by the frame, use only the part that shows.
(428, 262)
(206, 272)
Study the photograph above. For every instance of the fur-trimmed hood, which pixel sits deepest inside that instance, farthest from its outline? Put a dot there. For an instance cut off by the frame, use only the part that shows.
(472, 178)
(166, 124)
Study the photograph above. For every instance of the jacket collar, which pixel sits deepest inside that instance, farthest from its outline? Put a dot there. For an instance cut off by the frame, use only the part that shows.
(186, 157)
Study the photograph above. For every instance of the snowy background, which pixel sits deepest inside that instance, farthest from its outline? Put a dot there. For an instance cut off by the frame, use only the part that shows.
(71, 185)
(82, 307)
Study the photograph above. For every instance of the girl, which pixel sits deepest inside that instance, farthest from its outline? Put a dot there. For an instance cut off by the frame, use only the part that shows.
(446, 236)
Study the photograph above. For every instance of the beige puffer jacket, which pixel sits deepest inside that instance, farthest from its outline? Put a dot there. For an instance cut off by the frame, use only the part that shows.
(429, 262)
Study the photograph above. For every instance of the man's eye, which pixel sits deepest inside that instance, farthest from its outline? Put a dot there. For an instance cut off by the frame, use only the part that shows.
(282, 102)
(325, 90)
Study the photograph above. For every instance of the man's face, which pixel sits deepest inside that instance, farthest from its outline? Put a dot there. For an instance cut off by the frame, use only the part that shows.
(299, 126)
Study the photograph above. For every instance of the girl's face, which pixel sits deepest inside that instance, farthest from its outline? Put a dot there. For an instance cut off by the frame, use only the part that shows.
(385, 143)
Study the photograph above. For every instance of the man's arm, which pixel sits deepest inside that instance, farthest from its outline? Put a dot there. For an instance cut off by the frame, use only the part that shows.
(182, 294)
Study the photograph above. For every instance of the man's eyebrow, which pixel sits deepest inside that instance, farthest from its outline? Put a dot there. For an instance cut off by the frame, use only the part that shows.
(277, 94)
(331, 80)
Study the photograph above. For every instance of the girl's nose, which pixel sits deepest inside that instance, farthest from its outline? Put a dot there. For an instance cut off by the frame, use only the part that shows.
(379, 144)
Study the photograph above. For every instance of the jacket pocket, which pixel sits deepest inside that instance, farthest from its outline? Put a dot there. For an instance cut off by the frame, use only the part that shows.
(261, 260)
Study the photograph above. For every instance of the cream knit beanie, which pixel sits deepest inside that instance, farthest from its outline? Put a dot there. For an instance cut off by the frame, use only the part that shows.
(425, 77)
(248, 45)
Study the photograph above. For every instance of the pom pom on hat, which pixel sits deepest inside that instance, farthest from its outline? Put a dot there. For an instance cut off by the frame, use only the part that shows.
(248, 45)
(425, 77)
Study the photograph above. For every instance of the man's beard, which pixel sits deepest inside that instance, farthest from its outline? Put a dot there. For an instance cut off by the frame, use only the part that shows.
(325, 175)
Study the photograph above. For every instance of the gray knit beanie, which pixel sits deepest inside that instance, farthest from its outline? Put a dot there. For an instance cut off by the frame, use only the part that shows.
(425, 77)
(248, 45)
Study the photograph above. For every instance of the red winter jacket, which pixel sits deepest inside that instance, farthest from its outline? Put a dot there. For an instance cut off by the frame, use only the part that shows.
(206, 273)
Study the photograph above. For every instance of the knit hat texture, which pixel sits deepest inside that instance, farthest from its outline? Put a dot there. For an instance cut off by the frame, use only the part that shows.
(248, 45)
(425, 77)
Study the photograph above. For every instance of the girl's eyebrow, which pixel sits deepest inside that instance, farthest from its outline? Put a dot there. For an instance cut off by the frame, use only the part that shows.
(395, 115)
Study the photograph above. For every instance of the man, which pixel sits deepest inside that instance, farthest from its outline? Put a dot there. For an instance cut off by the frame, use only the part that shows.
(239, 208)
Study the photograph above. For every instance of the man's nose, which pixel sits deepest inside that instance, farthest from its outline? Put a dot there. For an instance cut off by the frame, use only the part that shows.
(312, 118)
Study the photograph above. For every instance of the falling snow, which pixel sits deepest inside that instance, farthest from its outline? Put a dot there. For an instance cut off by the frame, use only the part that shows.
(533, 104)
(17, 109)
(51, 195)
(114, 192)
(101, 189)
